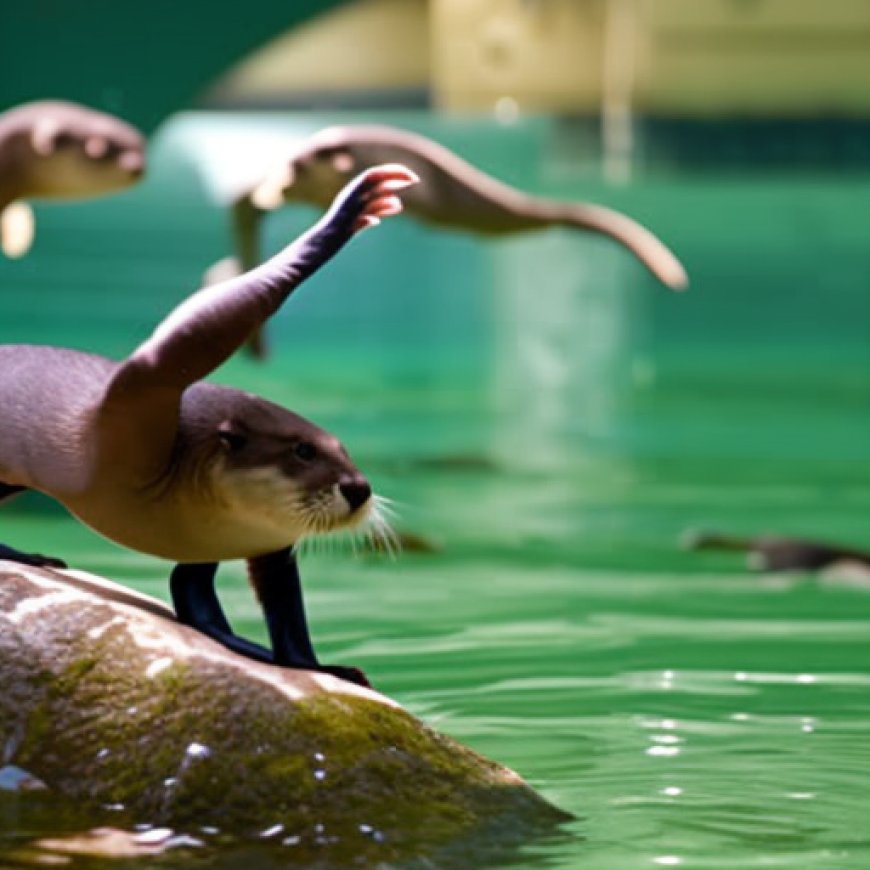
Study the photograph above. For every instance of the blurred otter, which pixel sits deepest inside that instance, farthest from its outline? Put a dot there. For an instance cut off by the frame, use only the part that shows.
(59, 150)
(775, 553)
(452, 194)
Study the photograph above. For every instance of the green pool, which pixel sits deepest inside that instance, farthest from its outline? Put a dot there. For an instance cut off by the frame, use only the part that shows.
(553, 421)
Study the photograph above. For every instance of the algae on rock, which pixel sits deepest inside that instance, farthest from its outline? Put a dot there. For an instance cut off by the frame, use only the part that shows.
(113, 704)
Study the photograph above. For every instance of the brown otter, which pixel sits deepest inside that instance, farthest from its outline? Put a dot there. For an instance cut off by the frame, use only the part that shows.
(153, 458)
(452, 194)
(777, 553)
(60, 150)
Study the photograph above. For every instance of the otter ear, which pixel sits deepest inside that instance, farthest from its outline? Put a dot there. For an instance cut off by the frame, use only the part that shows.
(232, 437)
(43, 135)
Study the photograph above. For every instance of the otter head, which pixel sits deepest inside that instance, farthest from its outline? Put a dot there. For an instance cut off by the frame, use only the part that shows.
(315, 176)
(285, 476)
(74, 152)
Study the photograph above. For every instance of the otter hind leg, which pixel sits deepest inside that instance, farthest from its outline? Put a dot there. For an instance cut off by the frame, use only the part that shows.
(36, 560)
(196, 604)
(275, 578)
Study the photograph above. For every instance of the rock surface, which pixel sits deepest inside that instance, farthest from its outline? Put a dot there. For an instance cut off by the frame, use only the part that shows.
(111, 703)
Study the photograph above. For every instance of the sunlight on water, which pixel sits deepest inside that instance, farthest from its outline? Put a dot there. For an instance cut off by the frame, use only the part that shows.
(553, 422)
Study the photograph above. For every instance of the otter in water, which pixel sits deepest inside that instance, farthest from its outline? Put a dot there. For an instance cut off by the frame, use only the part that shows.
(777, 553)
(452, 194)
(60, 150)
(150, 456)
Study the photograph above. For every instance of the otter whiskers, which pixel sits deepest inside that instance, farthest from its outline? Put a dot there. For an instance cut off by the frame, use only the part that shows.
(372, 534)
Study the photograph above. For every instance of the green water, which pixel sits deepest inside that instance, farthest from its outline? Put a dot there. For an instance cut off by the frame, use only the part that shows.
(553, 420)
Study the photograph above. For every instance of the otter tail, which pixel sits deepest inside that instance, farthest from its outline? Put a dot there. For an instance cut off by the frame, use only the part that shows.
(647, 247)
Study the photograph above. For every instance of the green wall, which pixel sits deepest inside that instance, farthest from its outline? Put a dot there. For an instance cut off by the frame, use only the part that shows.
(142, 61)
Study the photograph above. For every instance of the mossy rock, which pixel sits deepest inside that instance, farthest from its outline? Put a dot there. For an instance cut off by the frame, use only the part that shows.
(113, 704)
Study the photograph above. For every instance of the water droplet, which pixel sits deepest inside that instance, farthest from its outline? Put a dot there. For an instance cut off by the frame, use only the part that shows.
(102, 753)
(272, 832)
(183, 841)
(198, 750)
(320, 774)
(319, 756)
(154, 835)
(672, 791)
(291, 841)
(668, 860)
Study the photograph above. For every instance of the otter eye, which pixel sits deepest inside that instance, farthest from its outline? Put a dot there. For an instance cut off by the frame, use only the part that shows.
(305, 451)
(232, 441)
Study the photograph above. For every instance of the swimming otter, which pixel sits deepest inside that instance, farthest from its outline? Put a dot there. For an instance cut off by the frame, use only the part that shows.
(151, 457)
(452, 194)
(60, 150)
(777, 553)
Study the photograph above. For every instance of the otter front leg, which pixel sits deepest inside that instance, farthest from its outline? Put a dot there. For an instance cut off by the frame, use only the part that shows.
(36, 560)
(275, 578)
(196, 604)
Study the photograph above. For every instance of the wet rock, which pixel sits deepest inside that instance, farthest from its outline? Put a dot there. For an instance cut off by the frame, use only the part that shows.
(113, 705)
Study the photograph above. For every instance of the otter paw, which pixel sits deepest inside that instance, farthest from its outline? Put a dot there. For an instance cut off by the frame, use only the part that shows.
(351, 674)
(372, 195)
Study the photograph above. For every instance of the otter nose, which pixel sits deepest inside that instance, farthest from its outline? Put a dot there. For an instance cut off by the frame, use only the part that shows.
(356, 491)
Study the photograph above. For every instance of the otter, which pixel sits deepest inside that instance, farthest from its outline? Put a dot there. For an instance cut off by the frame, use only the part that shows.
(60, 150)
(153, 458)
(777, 553)
(452, 194)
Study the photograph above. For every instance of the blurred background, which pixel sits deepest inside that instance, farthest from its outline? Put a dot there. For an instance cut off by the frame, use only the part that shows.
(548, 418)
